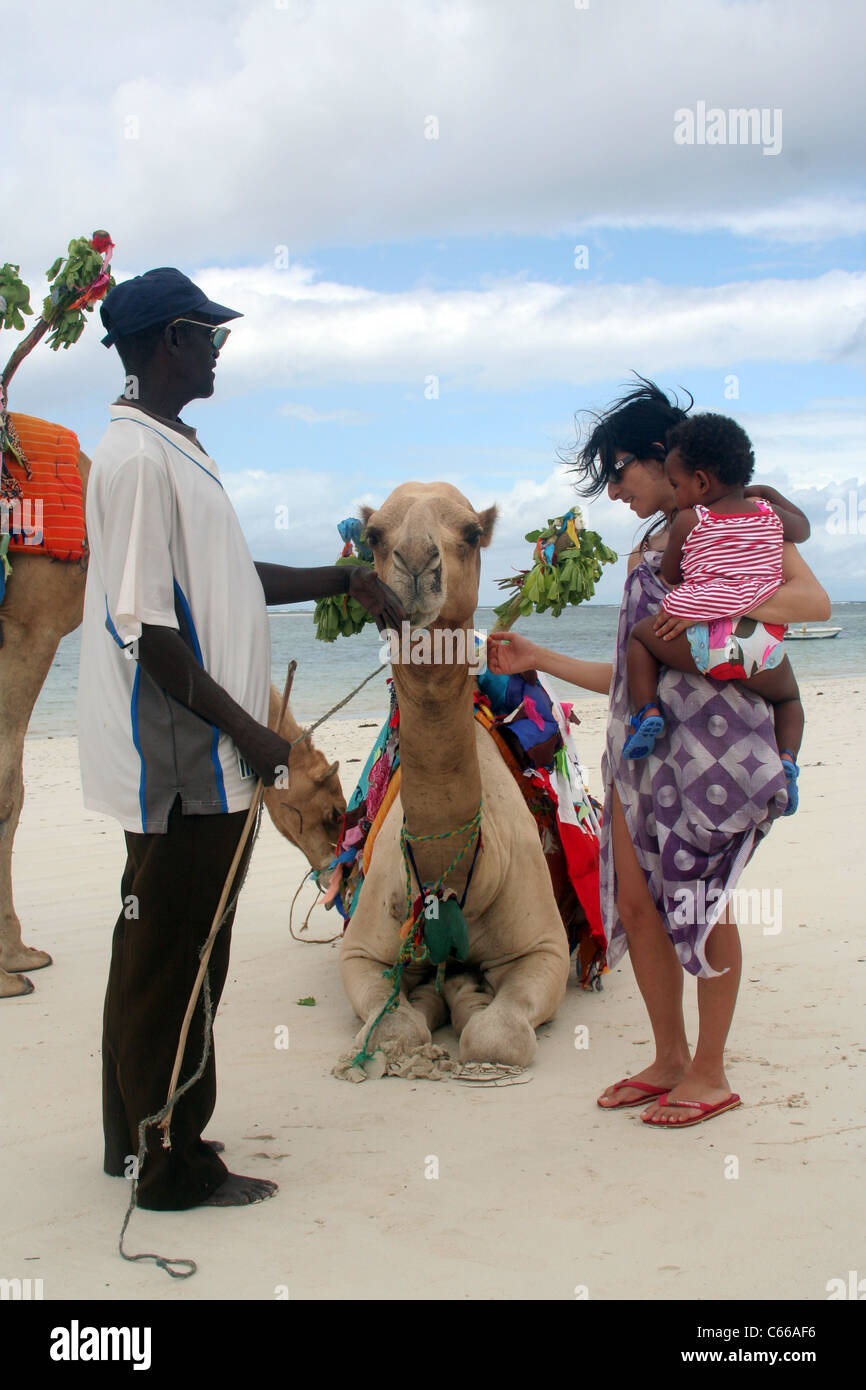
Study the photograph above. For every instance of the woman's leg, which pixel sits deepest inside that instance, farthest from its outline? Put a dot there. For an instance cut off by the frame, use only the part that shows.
(705, 1079)
(656, 967)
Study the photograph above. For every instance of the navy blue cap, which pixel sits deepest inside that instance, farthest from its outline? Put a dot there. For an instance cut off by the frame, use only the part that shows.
(156, 297)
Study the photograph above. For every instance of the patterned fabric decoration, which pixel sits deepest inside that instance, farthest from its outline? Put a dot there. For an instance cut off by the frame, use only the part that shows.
(47, 518)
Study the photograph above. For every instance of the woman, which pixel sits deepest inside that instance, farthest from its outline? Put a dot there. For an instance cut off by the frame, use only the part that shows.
(677, 831)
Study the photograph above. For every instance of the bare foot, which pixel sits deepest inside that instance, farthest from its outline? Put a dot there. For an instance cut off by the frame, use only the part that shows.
(237, 1191)
(693, 1086)
(656, 1074)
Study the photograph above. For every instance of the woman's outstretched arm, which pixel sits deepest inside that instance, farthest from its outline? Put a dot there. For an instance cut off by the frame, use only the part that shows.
(510, 652)
(801, 598)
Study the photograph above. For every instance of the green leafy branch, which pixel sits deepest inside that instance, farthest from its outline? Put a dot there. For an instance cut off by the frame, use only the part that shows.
(567, 567)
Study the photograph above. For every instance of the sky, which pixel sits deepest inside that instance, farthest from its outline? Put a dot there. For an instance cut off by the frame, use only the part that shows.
(454, 227)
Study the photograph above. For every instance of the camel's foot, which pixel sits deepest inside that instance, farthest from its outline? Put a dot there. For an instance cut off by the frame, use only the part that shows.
(499, 1033)
(405, 1028)
(12, 986)
(20, 957)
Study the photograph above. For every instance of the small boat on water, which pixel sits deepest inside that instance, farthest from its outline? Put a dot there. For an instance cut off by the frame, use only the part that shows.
(801, 633)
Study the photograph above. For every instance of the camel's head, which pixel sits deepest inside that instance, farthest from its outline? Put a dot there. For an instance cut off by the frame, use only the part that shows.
(309, 811)
(426, 541)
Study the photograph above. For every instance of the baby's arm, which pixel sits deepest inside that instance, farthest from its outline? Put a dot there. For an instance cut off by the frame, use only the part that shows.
(671, 566)
(795, 523)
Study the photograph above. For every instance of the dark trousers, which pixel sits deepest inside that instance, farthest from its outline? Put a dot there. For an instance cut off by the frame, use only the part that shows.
(173, 883)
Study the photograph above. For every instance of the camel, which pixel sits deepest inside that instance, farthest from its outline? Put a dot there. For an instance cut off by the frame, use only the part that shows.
(426, 540)
(44, 601)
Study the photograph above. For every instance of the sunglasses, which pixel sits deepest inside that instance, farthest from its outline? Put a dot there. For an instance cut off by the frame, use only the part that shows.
(217, 336)
(622, 464)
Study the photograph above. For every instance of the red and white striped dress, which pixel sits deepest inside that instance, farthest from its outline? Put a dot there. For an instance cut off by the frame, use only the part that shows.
(730, 564)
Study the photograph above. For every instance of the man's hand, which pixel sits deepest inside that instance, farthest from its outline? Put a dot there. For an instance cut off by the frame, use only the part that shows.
(667, 627)
(380, 602)
(266, 752)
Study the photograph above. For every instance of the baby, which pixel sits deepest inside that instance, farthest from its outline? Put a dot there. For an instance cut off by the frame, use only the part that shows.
(724, 557)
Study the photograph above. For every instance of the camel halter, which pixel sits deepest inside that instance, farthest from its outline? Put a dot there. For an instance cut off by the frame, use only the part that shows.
(414, 949)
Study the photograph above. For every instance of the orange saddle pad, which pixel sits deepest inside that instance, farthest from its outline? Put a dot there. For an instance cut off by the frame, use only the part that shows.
(48, 517)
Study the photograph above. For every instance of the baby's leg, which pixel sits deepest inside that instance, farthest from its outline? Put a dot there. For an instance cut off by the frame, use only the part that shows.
(646, 652)
(780, 688)
(642, 664)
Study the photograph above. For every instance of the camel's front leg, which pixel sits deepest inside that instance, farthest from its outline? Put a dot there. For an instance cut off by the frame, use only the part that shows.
(14, 955)
(369, 991)
(526, 993)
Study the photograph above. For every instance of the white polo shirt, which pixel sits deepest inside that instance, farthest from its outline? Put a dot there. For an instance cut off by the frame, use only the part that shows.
(166, 548)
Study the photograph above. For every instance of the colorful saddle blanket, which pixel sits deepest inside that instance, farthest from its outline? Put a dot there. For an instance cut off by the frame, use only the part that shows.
(43, 514)
(531, 731)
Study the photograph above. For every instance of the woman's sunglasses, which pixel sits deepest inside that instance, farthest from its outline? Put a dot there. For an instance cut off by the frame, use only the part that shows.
(217, 336)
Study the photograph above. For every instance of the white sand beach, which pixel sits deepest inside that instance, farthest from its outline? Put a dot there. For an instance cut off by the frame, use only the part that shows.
(539, 1193)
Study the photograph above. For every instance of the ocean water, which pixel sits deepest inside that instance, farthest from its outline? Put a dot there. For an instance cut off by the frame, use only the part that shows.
(328, 671)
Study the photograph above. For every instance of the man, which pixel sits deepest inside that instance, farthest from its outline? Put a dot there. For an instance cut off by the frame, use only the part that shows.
(173, 707)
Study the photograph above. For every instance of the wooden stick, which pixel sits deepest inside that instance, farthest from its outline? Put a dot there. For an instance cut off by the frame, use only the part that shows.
(165, 1125)
(38, 331)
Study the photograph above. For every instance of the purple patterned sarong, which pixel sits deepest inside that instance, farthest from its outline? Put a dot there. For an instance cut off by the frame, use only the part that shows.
(698, 806)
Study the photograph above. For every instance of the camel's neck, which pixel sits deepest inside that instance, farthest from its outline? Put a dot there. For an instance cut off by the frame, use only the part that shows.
(440, 784)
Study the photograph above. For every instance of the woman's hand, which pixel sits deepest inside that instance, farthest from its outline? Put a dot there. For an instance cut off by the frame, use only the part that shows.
(510, 652)
(801, 598)
(667, 627)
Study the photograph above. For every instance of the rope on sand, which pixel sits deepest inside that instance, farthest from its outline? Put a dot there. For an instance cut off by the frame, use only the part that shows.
(309, 940)
(176, 1267)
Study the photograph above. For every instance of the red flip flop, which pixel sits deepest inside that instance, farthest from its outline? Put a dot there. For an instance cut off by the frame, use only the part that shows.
(707, 1112)
(651, 1093)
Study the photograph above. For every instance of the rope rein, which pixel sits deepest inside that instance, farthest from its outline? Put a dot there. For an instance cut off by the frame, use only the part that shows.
(414, 949)
(180, 1268)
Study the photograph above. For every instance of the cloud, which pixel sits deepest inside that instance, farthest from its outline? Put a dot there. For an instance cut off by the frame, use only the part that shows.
(238, 127)
(814, 456)
(311, 416)
(511, 334)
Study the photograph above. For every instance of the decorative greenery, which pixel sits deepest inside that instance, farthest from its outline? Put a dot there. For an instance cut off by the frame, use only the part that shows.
(568, 565)
(76, 283)
(14, 298)
(340, 615)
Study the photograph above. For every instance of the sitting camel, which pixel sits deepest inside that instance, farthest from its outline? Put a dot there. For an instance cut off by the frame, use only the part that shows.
(44, 601)
(426, 540)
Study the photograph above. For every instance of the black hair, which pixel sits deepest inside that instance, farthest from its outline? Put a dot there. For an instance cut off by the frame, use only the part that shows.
(637, 422)
(714, 444)
(136, 349)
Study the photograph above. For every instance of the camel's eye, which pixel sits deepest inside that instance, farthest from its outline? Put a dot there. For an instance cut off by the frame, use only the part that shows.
(373, 537)
(472, 535)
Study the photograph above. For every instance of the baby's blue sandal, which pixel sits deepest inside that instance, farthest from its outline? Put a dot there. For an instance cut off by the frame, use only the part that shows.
(646, 728)
(792, 772)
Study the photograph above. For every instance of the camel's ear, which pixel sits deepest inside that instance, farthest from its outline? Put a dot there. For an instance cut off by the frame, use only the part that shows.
(366, 513)
(326, 773)
(487, 520)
